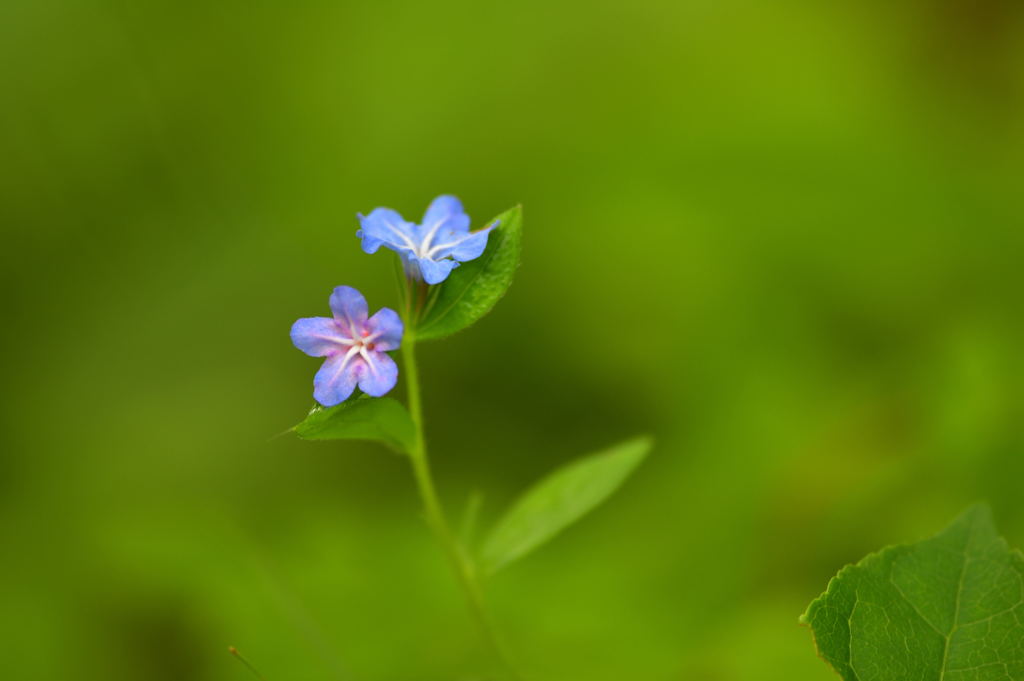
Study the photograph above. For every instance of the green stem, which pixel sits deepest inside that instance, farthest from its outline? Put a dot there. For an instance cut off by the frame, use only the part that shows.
(461, 563)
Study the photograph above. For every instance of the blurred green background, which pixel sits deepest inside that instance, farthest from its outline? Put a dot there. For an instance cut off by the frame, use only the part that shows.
(784, 237)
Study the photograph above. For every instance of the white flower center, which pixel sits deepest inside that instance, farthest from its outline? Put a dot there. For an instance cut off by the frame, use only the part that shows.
(361, 343)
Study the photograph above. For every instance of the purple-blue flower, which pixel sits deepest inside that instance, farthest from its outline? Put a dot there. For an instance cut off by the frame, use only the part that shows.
(431, 250)
(354, 346)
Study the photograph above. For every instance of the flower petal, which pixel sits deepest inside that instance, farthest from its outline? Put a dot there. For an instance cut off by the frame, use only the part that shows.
(434, 272)
(385, 227)
(378, 373)
(319, 336)
(386, 329)
(349, 305)
(336, 379)
(444, 217)
(462, 247)
(444, 214)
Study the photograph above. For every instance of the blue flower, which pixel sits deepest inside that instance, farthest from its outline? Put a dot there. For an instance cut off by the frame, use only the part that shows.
(354, 346)
(429, 251)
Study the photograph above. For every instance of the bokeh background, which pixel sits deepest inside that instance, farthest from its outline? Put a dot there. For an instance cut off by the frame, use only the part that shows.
(785, 238)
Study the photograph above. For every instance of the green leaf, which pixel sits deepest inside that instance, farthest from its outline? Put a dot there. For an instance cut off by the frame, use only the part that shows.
(949, 608)
(365, 418)
(470, 515)
(473, 288)
(559, 500)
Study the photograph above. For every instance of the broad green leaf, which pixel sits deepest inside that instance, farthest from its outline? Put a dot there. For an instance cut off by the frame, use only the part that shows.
(949, 608)
(365, 418)
(559, 500)
(472, 289)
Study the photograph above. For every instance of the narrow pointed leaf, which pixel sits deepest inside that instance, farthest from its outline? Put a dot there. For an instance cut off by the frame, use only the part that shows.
(365, 418)
(470, 515)
(558, 500)
(948, 608)
(473, 288)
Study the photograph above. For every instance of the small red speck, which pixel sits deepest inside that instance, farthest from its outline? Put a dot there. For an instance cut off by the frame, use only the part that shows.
(369, 346)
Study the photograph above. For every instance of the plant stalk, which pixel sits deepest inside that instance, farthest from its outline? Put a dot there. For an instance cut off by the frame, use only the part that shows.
(460, 561)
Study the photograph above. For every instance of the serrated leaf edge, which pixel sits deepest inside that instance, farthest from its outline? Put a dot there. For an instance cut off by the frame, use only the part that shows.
(874, 556)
